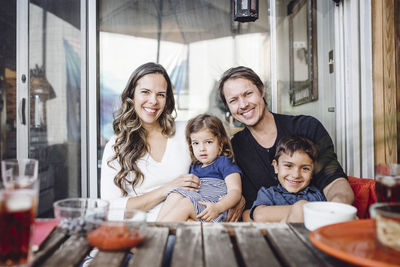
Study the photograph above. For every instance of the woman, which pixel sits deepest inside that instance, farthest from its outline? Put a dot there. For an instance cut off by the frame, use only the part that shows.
(147, 156)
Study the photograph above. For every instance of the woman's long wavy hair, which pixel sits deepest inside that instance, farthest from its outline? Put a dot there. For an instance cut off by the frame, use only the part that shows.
(130, 144)
(215, 126)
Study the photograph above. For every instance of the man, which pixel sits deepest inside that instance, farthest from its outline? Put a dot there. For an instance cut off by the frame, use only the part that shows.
(242, 91)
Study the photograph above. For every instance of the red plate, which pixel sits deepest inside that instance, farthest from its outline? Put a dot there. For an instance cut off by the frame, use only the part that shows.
(353, 242)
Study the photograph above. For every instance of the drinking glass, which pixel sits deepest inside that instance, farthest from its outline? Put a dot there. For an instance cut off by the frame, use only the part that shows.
(18, 204)
(388, 183)
(387, 225)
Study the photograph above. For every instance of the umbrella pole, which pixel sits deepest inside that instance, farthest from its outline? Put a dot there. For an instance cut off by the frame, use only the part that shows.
(159, 30)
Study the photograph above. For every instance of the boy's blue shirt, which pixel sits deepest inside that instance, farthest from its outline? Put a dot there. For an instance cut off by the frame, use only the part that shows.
(277, 195)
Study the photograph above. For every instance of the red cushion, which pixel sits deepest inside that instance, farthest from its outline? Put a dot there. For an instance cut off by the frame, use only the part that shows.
(364, 195)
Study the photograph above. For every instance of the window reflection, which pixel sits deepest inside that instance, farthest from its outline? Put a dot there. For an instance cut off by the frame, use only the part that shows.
(8, 111)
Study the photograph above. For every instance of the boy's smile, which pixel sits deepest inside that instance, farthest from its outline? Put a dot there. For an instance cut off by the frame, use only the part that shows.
(294, 172)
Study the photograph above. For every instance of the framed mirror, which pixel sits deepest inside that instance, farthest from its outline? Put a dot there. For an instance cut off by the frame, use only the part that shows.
(303, 51)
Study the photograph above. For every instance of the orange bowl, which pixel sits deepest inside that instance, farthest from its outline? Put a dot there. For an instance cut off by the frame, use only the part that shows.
(119, 230)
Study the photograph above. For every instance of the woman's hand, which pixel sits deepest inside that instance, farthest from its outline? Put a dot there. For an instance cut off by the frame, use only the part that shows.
(186, 181)
(210, 213)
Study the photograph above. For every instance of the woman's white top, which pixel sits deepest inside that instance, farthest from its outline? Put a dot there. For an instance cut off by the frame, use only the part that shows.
(175, 161)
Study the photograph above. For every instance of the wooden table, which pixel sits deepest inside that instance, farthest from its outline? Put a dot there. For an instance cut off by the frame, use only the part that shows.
(196, 244)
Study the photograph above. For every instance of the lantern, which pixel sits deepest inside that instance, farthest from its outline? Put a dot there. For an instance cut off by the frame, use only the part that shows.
(41, 91)
(245, 10)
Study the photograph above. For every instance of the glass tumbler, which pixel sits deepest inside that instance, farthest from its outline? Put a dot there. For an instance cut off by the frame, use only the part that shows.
(18, 204)
(388, 183)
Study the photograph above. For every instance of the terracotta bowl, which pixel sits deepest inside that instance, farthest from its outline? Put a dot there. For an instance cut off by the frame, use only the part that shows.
(120, 230)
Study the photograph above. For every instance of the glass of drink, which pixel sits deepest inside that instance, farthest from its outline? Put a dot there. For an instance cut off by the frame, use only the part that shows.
(388, 183)
(387, 225)
(18, 203)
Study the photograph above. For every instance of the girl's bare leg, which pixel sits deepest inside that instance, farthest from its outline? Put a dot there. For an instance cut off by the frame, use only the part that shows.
(170, 203)
(183, 210)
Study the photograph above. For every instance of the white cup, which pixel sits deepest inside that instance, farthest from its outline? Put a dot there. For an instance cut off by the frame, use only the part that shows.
(321, 213)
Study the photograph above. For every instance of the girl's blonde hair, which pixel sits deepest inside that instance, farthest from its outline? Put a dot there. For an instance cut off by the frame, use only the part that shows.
(130, 144)
(215, 126)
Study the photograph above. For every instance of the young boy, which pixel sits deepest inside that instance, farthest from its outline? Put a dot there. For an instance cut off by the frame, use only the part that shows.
(294, 166)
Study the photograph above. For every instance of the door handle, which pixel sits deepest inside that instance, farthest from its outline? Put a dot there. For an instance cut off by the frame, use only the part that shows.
(22, 111)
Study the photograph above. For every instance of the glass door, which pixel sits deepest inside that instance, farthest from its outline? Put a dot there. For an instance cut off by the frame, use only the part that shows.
(49, 95)
(8, 87)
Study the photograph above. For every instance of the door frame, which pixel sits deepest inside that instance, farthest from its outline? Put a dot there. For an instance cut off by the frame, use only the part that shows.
(354, 92)
(92, 101)
(22, 101)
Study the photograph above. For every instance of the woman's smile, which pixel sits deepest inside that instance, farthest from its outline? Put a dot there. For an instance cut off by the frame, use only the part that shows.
(150, 110)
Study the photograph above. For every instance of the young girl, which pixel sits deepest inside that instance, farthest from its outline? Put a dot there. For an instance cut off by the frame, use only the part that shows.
(212, 162)
(294, 166)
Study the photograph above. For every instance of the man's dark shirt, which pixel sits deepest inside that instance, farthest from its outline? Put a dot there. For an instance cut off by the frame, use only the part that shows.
(256, 161)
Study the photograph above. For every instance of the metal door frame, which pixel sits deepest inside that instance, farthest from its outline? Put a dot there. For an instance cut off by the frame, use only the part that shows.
(22, 83)
(92, 100)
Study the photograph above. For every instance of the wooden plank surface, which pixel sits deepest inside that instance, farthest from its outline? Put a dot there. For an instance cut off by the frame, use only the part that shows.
(303, 234)
(188, 249)
(389, 72)
(108, 259)
(378, 81)
(254, 248)
(151, 251)
(265, 227)
(71, 252)
(172, 226)
(49, 245)
(397, 75)
(218, 249)
(290, 249)
(258, 244)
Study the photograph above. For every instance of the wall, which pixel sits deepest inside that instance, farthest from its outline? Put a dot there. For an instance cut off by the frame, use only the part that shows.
(386, 79)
